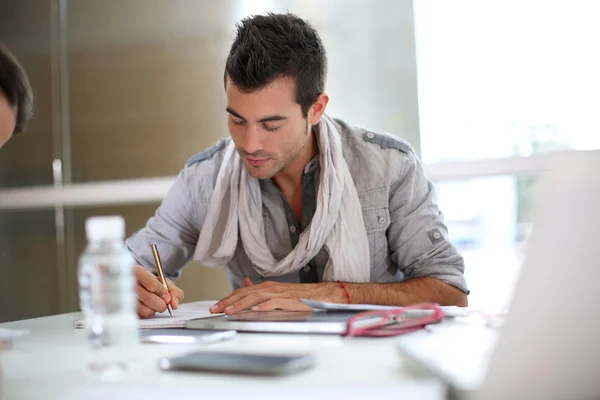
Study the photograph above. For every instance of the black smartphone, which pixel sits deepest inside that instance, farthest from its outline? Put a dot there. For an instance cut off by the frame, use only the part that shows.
(238, 363)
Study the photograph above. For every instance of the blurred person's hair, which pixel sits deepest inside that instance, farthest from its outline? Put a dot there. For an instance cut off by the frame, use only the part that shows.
(273, 46)
(14, 85)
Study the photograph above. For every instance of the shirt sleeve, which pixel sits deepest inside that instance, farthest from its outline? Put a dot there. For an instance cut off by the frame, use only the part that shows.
(174, 228)
(417, 235)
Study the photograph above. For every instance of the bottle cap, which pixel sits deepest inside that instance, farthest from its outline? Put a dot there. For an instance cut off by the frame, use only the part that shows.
(111, 227)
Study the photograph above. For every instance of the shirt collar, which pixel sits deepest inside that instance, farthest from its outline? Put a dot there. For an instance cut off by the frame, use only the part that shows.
(312, 165)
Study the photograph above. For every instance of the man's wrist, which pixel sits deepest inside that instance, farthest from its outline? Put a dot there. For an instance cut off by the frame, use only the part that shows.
(335, 293)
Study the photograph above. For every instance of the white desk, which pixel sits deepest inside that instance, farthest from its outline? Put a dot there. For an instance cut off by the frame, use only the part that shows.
(49, 364)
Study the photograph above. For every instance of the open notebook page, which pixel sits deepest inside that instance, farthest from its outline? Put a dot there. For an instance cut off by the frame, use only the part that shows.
(185, 312)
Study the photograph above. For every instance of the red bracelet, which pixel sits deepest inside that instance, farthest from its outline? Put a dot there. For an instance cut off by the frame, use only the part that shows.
(345, 290)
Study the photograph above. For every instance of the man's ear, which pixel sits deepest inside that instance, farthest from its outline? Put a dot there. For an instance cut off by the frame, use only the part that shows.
(317, 110)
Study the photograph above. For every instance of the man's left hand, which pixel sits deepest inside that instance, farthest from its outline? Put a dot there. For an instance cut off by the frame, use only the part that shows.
(270, 295)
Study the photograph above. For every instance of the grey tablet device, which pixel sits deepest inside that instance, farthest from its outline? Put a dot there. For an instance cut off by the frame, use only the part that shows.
(184, 336)
(277, 322)
(238, 363)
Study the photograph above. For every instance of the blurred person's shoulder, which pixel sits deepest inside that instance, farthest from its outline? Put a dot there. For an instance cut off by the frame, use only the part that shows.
(374, 158)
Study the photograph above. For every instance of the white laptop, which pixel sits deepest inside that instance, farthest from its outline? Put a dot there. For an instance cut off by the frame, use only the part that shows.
(549, 345)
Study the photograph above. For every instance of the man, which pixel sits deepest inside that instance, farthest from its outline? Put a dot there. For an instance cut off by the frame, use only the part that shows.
(16, 97)
(297, 204)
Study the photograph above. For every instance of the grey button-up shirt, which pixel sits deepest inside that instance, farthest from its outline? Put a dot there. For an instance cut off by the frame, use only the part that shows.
(406, 233)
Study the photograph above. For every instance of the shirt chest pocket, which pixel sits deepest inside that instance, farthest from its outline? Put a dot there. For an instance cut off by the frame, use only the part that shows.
(376, 217)
(375, 209)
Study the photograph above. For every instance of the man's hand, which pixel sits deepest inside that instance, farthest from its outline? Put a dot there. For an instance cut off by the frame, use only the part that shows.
(269, 296)
(152, 295)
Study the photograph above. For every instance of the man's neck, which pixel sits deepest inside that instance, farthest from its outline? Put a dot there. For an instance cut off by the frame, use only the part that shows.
(289, 179)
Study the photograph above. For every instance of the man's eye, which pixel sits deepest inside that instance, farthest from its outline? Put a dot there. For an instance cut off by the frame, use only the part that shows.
(271, 128)
(241, 122)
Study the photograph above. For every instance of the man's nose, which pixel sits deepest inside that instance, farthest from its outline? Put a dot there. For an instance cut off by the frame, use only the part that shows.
(252, 140)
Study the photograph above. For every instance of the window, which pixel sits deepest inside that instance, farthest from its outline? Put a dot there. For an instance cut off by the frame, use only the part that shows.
(489, 222)
(501, 82)
(506, 78)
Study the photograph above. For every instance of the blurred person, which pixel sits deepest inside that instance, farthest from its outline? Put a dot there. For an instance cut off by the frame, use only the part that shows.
(297, 204)
(16, 97)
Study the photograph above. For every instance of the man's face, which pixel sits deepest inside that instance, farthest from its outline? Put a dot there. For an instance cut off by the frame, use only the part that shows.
(8, 119)
(267, 126)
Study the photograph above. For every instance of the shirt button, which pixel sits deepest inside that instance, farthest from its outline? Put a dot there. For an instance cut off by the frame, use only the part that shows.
(306, 269)
(370, 135)
(436, 235)
(293, 229)
(381, 220)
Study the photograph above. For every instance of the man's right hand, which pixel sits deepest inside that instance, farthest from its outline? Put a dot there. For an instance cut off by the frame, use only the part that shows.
(152, 295)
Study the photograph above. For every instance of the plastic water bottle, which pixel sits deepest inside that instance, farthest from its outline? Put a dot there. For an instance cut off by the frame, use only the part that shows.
(108, 300)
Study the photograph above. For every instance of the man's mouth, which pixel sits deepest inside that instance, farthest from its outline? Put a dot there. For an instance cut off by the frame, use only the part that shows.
(257, 162)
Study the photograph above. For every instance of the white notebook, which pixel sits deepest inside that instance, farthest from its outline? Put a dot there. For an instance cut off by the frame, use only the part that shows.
(186, 312)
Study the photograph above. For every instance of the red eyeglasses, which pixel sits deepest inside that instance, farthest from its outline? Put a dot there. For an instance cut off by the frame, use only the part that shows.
(393, 322)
